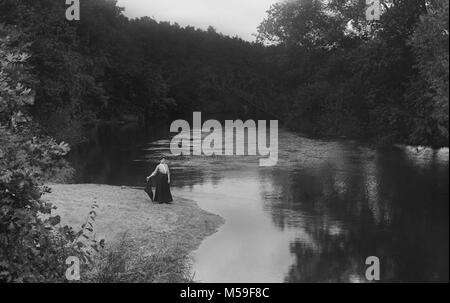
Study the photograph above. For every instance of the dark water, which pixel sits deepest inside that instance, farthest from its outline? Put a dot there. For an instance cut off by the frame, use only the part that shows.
(315, 217)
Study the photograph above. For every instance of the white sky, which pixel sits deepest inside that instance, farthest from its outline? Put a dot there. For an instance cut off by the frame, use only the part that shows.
(230, 17)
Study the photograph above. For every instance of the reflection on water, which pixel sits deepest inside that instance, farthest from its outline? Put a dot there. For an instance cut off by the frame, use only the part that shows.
(315, 217)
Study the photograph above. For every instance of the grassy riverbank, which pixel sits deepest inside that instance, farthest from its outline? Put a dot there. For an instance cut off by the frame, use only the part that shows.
(146, 242)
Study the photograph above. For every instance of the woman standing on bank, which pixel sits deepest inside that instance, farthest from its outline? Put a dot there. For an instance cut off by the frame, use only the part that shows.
(162, 182)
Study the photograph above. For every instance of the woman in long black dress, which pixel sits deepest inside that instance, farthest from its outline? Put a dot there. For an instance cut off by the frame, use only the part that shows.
(161, 176)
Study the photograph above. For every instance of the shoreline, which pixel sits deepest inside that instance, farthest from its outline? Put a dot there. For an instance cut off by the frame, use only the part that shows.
(124, 210)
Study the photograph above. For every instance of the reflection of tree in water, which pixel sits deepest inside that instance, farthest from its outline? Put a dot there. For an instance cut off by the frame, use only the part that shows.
(347, 203)
(115, 154)
(125, 154)
(357, 207)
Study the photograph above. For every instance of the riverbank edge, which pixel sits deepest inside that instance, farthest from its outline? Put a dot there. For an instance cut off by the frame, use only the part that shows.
(125, 212)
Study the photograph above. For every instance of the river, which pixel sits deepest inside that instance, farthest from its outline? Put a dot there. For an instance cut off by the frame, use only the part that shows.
(315, 217)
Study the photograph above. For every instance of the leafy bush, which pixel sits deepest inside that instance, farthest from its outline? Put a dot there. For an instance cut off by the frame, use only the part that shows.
(33, 247)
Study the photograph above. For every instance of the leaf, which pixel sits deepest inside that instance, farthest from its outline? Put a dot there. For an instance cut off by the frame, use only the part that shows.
(55, 220)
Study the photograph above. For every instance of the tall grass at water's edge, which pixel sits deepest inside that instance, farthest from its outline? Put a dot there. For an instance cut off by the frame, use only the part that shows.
(128, 260)
(124, 262)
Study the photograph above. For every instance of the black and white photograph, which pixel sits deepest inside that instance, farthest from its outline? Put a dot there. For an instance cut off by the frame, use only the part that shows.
(224, 142)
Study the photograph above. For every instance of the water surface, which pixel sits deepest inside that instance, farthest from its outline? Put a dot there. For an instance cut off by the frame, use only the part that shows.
(315, 217)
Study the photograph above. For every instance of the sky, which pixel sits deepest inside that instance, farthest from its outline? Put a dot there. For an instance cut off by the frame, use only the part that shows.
(230, 17)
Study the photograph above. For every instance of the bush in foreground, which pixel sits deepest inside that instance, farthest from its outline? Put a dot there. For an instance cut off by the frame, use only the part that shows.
(33, 247)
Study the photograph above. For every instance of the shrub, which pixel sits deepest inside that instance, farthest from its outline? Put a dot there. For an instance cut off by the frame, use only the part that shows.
(33, 247)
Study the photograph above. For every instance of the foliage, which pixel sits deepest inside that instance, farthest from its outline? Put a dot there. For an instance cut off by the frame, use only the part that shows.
(347, 76)
(33, 247)
(108, 67)
(85, 239)
(123, 262)
(430, 42)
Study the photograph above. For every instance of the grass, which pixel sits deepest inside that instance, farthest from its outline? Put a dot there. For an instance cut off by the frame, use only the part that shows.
(123, 262)
(145, 242)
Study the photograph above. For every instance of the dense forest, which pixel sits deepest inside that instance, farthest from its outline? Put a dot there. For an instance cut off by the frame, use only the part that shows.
(386, 80)
(107, 67)
(318, 66)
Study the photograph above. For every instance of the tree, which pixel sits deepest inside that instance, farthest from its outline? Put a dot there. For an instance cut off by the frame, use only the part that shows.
(430, 41)
(32, 248)
(345, 75)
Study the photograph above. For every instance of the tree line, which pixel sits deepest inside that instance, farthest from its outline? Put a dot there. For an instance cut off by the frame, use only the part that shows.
(318, 66)
(384, 80)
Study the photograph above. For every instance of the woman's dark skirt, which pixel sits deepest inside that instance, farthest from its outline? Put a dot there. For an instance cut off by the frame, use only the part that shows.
(162, 192)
